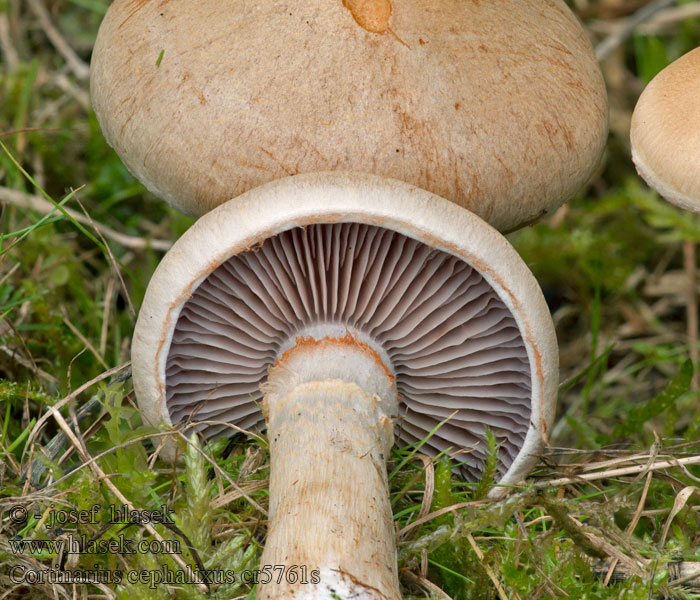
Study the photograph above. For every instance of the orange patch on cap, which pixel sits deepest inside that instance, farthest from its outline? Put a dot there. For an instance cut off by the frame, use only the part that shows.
(372, 15)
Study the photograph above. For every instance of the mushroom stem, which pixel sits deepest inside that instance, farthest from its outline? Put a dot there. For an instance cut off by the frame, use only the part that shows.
(331, 530)
(689, 262)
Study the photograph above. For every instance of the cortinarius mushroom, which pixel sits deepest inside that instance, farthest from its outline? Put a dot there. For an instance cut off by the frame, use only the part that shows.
(374, 306)
(665, 140)
(665, 133)
(497, 106)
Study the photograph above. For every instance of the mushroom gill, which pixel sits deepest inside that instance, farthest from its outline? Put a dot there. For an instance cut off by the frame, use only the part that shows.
(453, 345)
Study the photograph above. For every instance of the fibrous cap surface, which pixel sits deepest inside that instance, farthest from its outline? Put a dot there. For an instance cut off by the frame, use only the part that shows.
(497, 106)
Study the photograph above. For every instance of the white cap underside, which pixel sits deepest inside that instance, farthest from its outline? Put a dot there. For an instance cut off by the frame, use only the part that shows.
(343, 197)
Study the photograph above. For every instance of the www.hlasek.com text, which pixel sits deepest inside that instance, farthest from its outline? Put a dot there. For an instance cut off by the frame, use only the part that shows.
(82, 544)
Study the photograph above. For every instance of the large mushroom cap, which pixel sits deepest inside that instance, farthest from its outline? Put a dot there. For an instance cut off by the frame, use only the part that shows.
(496, 106)
(439, 295)
(665, 133)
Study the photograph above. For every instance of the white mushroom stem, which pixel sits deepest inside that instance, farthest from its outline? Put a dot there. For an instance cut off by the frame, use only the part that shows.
(328, 407)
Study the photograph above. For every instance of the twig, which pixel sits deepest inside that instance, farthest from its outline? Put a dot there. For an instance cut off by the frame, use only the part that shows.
(60, 442)
(691, 575)
(628, 26)
(489, 571)
(246, 488)
(429, 488)
(113, 261)
(442, 511)
(43, 207)
(691, 308)
(8, 50)
(680, 573)
(106, 308)
(102, 477)
(9, 274)
(74, 394)
(75, 92)
(660, 22)
(27, 364)
(429, 586)
(631, 527)
(82, 338)
(663, 464)
(670, 17)
(610, 550)
(35, 469)
(76, 64)
(597, 466)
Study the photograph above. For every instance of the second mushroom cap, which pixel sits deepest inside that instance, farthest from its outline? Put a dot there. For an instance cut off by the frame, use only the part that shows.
(665, 132)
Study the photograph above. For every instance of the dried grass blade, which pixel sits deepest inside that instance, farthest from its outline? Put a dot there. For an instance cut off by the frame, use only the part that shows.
(678, 505)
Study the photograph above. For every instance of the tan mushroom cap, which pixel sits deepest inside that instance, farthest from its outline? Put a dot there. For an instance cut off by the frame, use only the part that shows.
(665, 133)
(446, 301)
(497, 106)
